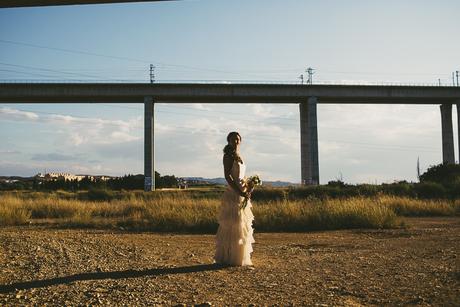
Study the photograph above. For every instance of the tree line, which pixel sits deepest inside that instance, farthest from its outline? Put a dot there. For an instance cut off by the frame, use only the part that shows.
(127, 182)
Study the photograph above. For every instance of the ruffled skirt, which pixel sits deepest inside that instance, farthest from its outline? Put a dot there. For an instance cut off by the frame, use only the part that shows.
(234, 236)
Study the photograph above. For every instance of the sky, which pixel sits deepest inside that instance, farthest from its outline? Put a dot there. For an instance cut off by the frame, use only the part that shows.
(352, 42)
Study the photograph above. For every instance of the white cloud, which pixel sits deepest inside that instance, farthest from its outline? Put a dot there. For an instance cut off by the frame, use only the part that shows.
(76, 139)
(77, 131)
(8, 168)
(99, 123)
(119, 136)
(15, 114)
(200, 106)
(9, 152)
(62, 119)
(261, 110)
(163, 128)
(367, 143)
(87, 126)
(53, 157)
(330, 148)
(353, 161)
(370, 178)
(91, 169)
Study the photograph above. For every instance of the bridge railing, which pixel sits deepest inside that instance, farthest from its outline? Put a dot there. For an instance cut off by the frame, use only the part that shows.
(115, 81)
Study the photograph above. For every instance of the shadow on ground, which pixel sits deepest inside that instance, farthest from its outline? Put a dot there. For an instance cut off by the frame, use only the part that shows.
(109, 275)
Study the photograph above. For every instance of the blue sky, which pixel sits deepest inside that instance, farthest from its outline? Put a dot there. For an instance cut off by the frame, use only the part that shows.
(345, 41)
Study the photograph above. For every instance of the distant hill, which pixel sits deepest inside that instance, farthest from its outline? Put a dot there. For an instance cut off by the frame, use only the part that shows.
(15, 178)
(222, 181)
(195, 180)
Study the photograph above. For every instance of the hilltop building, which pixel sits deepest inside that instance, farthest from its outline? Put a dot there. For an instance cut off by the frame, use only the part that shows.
(70, 177)
(182, 183)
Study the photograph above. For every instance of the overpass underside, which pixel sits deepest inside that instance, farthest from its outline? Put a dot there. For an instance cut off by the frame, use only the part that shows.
(29, 3)
(306, 96)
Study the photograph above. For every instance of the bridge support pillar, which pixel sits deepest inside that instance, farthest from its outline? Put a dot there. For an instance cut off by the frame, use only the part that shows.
(149, 148)
(448, 155)
(309, 142)
(458, 130)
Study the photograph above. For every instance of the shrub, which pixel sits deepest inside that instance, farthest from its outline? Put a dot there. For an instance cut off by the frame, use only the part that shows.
(404, 206)
(454, 189)
(444, 174)
(11, 211)
(319, 215)
(336, 183)
(430, 190)
(266, 194)
(100, 195)
(180, 212)
(398, 189)
(367, 189)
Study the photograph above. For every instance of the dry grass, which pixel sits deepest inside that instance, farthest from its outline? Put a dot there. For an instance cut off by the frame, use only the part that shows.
(178, 212)
(325, 214)
(405, 206)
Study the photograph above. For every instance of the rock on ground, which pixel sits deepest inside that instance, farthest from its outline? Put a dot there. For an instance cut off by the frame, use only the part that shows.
(414, 266)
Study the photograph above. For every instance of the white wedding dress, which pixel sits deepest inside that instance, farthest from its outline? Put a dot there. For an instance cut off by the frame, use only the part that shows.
(234, 236)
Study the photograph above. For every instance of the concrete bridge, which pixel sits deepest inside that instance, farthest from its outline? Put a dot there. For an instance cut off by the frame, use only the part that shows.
(307, 96)
(28, 3)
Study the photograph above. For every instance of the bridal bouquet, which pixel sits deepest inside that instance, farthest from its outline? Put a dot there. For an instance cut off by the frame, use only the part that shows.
(250, 182)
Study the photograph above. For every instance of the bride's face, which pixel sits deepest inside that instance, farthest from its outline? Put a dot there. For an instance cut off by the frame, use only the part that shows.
(235, 141)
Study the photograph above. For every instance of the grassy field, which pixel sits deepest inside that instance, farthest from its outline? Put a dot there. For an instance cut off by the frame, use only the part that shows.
(195, 210)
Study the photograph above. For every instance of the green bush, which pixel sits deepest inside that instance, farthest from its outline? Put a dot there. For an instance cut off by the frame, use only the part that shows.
(267, 194)
(100, 195)
(430, 190)
(453, 189)
(367, 189)
(320, 192)
(444, 174)
(398, 189)
(336, 183)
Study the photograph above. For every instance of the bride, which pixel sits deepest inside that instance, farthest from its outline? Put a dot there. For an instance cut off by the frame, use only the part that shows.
(234, 236)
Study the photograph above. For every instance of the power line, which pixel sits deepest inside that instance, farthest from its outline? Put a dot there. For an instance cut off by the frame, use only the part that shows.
(379, 73)
(239, 72)
(113, 57)
(152, 73)
(50, 70)
(70, 51)
(301, 78)
(310, 72)
(27, 73)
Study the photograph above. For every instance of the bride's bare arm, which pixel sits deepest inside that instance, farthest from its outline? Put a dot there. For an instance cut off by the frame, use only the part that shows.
(228, 163)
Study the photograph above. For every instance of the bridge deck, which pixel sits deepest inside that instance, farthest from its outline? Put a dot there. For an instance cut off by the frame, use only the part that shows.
(218, 92)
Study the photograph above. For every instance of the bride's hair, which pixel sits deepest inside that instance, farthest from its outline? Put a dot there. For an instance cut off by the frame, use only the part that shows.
(229, 150)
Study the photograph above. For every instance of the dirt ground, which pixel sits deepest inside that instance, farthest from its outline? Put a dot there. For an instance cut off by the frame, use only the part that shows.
(419, 265)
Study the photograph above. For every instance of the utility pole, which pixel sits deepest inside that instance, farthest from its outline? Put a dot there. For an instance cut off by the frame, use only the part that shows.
(456, 73)
(439, 82)
(152, 73)
(453, 79)
(301, 78)
(418, 169)
(310, 72)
